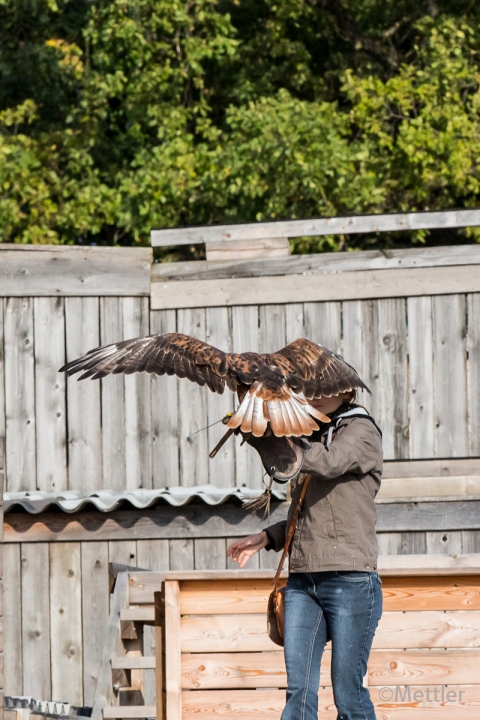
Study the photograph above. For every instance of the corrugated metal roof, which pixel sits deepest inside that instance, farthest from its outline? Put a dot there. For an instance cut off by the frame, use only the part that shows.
(71, 501)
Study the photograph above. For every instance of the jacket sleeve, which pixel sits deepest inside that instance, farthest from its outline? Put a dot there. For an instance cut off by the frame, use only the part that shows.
(357, 449)
(276, 536)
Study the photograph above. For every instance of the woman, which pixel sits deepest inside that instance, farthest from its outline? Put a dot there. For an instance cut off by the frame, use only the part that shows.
(333, 590)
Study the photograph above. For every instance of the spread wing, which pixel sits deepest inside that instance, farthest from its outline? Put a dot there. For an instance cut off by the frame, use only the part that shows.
(273, 388)
(168, 354)
(316, 371)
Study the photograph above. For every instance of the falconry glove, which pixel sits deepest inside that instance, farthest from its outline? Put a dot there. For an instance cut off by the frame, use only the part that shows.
(282, 457)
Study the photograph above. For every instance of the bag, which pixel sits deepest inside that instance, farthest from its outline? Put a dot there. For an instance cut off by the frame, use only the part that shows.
(276, 601)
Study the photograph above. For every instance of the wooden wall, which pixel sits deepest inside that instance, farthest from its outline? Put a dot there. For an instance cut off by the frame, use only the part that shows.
(56, 599)
(2, 458)
(420, 356)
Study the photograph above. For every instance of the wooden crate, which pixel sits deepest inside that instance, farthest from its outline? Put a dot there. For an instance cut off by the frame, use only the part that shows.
(214, 660)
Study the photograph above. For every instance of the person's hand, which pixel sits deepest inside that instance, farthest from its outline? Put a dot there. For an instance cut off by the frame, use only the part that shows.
(242, 550)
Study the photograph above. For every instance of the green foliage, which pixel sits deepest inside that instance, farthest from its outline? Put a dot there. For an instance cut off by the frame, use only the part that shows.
(116, 117)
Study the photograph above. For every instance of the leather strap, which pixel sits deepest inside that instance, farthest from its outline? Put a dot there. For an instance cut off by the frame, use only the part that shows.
(291, 530)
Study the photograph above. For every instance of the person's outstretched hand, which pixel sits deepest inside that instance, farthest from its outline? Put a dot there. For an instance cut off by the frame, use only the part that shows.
(242, 550)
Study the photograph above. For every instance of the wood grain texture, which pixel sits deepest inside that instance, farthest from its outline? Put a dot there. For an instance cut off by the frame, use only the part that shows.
(392, 390)
(319, 263)
(2, 370)
(173, 670)
(248, 468)
(181, 554)
(323, 324)
(222, 467)
(421, 391)
(365, 284)
(164, 409)
(104, 692)
(66, 622)
(268, 705)
(36, 620)
(193, 444)
(394, 489)
(94, 557)
(361, 347)
(473, 347)
(56, 270)
(20, 395)
(446, 543)
(316, 226)
(85, 460)
(294, 322)
(431, 593)
(113, 400)
(50, 406)
(13, 649)
(138, 425)
(247, 633)
(450, 376)
(210, 554)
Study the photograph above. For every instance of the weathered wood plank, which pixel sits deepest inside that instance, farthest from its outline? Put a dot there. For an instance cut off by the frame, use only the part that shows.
(124, 553)
(227, 521)
(113, 400)
(222, 467)
(94, 612)
(104, 691)
(2, 370)
(246, 249)
(13, 620)
(210, 554)
(173, 670)
(316, 226)
(470, 541)
(319, 263)
(420, 340)
(473, 347)
(248, 468)
(365, 284)
(85, 462)
(66, 622)
(35, 626)
(181, 554)
(138, 429)
(50, 270)
(20, 395)
(392, 390)
(193, 444)
(450, 376)
(421, 488)
(447, 543)
(50, 410)
(130, 711)
(155, 555)
(323, 324)
(368, 352)
(445, 467)
(294, 322)
(165, 421)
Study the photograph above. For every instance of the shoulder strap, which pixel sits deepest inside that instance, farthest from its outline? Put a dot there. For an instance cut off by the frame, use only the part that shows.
(359, 412)
(291, 530)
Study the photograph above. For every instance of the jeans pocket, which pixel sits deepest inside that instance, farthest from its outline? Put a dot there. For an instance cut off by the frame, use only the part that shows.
(354, 575)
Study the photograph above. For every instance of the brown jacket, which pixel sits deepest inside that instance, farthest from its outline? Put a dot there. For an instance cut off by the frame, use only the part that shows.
(336, 530)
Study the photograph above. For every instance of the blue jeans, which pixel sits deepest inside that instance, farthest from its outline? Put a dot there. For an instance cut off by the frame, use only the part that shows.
(344, 607)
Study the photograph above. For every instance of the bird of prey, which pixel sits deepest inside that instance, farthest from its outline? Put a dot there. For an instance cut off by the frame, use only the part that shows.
(273, 389)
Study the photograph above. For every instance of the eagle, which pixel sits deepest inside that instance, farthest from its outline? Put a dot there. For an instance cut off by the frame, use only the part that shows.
(273, 389)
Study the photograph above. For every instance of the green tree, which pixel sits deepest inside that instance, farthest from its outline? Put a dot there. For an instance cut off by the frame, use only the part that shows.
(116, 117)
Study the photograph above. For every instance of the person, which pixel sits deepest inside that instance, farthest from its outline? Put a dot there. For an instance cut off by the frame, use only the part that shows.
(333, 589)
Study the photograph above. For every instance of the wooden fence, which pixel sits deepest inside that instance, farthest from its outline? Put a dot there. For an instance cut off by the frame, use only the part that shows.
(420, 356)
(408, 320)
